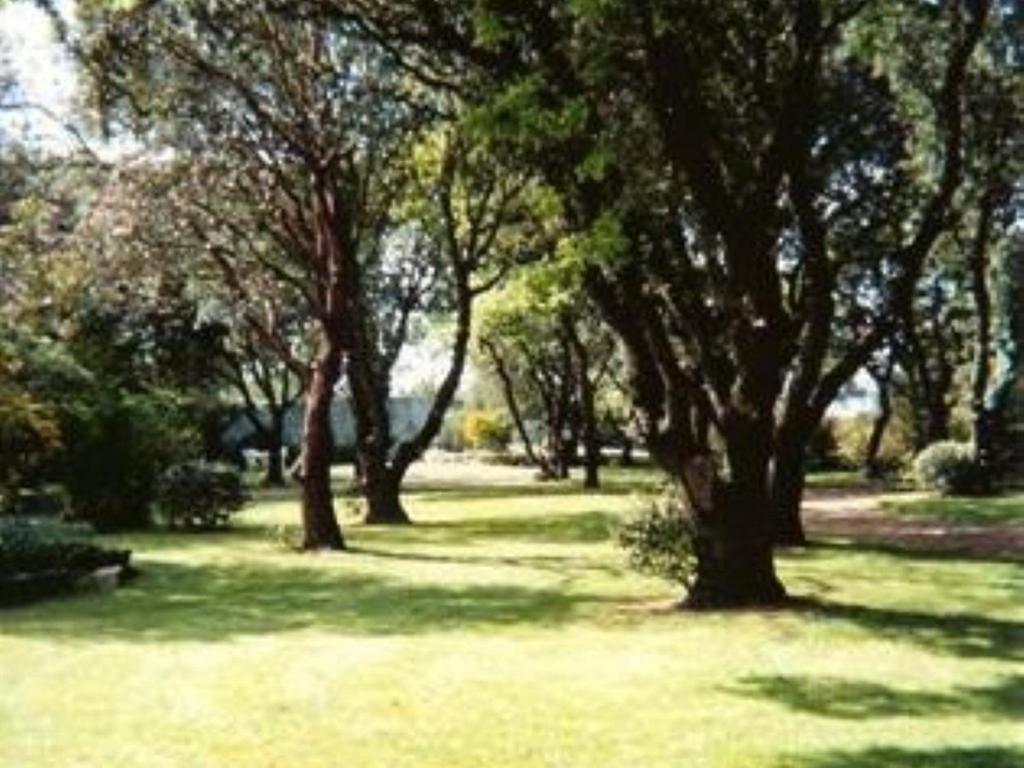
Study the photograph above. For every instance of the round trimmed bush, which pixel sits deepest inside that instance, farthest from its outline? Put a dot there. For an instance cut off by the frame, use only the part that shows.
(950, 468)
(199, 495)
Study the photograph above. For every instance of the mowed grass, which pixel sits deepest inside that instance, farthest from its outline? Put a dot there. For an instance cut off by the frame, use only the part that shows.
(972, 511)
(505, 629)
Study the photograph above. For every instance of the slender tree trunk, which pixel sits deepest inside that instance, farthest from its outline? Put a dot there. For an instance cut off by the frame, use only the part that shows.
(320, 525)
(566, 453)
(872, 467)
(557, 454)
(591, 448)
(983, 325)
(274, 476)
(587, 408)
(512, 403)
(626, 458)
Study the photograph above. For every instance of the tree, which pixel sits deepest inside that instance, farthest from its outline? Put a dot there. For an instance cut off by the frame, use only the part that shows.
(985, 236)
(464, 221)
(551, 357)
(297, 125)
(726, 170)
(935, 344)
(268, 383)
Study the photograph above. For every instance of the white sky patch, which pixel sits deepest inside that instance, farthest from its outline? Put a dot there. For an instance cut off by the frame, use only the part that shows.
(44, 75)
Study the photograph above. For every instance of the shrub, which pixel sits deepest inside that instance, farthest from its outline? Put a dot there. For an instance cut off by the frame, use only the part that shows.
(660, 539)
(488, 430)
(40, 559)
(949, 468)
(116, 447)
(200, 496)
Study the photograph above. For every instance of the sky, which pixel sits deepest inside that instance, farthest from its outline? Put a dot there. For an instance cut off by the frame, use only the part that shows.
(43, 72)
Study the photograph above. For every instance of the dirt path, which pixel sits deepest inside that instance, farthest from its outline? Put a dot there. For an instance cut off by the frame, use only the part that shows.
(856, 514)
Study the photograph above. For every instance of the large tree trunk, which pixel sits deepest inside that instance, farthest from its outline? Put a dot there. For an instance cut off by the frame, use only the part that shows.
(382, 491)
(733, 534)
(789, 474)
(320, 525)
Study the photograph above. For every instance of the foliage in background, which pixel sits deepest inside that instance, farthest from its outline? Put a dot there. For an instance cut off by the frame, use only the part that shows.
(29, 435)
(487, 430)
(852, 434)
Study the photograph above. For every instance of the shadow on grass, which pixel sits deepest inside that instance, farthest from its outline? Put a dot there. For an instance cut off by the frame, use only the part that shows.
(939, 549)
(960, 634)
(860, 700)
(215, 602)
(897, 757)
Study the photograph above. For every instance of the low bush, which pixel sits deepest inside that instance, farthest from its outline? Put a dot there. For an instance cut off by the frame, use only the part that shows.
(487, 430)
(41, 559)
(950, 468)
(659, 539)
(200, 496)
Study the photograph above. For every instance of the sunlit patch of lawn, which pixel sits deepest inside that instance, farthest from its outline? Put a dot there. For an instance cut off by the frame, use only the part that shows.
(960, 510)
(504, 629)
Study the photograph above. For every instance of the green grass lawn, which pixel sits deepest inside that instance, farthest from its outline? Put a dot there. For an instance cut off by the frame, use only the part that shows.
(960, 510)
(504, 629)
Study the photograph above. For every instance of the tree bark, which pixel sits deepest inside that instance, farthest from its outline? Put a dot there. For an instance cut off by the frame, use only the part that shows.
(382, 491)
(789, 474)
(872, 468)
(320, 524)
(588, 410)
(274, 476)
(626, 457)
(983, 325)
(732, 534)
